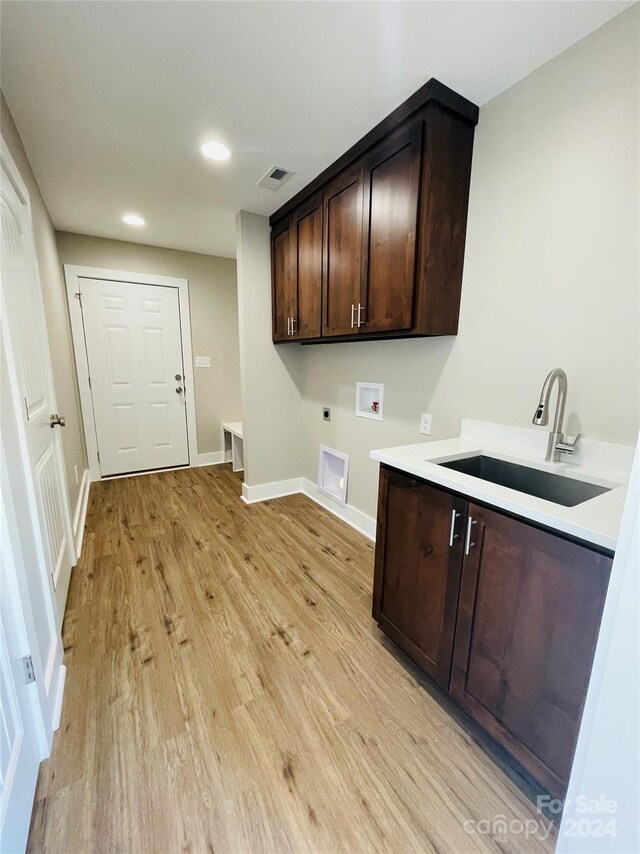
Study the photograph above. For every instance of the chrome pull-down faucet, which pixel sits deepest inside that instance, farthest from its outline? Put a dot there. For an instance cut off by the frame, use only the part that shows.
(556, 444)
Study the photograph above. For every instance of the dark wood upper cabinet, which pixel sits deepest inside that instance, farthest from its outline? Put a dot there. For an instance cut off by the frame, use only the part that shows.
(391, 184)
(417, 569)
(283, 281)
(308, 260)
(342, 253)
(394, 215)
(296, 260)
(528, 622)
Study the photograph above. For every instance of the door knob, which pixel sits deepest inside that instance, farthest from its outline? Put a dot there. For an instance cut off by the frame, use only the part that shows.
(179, 390)
(57, 420)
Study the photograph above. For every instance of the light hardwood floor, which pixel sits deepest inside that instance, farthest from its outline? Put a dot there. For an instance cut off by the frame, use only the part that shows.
(228, 691)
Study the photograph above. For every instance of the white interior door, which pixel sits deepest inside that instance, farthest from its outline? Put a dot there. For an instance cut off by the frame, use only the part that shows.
(136, 370)
(31, 384)
(35, 540)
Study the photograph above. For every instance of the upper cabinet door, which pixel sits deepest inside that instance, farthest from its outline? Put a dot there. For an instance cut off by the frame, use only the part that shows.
(391, 189)
(283, 283)
(308, 254)
(342, 253)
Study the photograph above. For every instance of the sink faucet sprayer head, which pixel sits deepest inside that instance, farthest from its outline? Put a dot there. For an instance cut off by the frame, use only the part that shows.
(541, 415)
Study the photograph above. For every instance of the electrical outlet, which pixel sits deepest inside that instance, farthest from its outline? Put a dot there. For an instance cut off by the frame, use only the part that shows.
(203, 361)
(326, 413)
(425, 423)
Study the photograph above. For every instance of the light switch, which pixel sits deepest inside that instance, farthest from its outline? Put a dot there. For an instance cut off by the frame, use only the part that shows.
(203, 361)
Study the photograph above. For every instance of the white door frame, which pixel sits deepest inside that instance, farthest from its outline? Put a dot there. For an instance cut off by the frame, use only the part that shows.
(72, 274)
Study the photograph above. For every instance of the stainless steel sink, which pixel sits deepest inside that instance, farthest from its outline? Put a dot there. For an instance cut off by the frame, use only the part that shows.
(541, 484)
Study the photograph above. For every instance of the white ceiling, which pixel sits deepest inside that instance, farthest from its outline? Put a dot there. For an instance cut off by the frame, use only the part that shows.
(113, 99)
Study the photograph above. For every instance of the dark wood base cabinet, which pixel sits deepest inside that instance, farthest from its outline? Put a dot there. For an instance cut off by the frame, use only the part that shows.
(502, 615)
(415, 596)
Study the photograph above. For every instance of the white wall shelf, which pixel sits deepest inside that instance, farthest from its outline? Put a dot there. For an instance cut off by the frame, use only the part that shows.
(333, 474)
(369, 399)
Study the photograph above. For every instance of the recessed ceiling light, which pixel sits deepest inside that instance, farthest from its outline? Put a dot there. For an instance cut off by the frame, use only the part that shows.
(133, 219)
(215, 151)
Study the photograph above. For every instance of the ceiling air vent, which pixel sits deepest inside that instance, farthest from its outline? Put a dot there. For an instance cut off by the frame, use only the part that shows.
(275, 178)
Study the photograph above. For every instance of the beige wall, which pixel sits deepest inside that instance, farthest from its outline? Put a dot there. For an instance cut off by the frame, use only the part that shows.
(271, 376)
(57, 317)
(214, 317)
(551, 277)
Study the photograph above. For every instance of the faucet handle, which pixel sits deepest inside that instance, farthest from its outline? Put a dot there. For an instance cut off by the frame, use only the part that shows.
(568, 447)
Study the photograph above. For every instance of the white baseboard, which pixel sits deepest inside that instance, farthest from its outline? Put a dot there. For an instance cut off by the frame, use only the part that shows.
(366, 525)
(57, 709)
(212, 459)
(81, 513)
(266, 491)
(362, 523)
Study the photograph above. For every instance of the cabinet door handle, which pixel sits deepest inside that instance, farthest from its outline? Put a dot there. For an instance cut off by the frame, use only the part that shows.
(353, 311)
(468, 545)
(288, 326)
(294, 325)
(361, 311)
(452, 534)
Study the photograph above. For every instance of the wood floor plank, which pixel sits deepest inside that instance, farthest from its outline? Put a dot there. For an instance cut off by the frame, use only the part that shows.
(228, 691)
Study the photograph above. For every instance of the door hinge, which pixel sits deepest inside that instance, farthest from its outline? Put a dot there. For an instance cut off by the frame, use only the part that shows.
(89, 380)
(78, 296)
(98, 455)
(29, 673)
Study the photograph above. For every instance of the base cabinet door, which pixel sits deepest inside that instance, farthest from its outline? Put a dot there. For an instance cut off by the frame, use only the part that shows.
(528, 621)
(417, 571)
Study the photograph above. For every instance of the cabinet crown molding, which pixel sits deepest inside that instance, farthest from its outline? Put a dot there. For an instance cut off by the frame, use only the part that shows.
(433, 92)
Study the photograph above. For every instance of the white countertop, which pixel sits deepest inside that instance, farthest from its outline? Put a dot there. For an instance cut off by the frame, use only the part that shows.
(595, 521)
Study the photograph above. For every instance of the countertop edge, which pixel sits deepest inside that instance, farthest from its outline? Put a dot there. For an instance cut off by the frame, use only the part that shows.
(463, 484)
